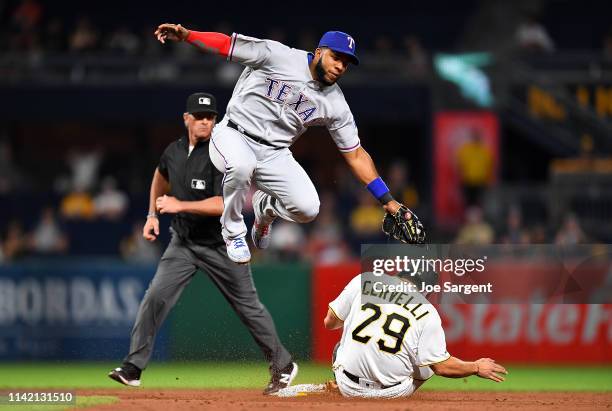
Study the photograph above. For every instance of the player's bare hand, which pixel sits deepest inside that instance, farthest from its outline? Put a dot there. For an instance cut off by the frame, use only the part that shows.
(174, 32)
(168, 205)
(150, 230)
(392, 206)
(489, 369)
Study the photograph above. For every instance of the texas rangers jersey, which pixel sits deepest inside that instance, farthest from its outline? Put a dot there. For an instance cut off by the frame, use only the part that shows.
(277, 99)
(386, 342)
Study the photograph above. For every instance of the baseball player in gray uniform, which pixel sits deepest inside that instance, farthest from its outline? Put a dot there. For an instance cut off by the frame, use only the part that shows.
(281, 92)
(393, 343)
(186, 184)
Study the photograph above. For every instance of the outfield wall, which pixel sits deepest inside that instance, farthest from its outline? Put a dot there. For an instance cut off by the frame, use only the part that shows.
(203, 326)
(84, 310)
(76, 310)
(552, 333)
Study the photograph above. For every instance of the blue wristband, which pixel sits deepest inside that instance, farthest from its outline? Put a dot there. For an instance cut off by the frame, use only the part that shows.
(378, 188)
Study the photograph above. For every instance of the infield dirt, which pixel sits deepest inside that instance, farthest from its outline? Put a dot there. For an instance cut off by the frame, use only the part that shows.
(242, 400)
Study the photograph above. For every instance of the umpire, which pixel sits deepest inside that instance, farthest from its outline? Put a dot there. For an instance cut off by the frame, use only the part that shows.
(188, 185)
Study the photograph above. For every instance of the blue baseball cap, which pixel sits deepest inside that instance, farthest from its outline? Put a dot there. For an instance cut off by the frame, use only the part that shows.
(340, 42)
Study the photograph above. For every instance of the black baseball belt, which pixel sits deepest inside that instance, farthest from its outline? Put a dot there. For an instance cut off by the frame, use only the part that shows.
(356, 379)
(259, 140)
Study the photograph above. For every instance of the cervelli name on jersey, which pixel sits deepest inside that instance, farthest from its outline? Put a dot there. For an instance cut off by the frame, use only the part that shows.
(387, 343)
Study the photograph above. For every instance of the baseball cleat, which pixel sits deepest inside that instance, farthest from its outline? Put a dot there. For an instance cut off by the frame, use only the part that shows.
(128, 374)
(281, 379)
(238, 250)
(260, 232)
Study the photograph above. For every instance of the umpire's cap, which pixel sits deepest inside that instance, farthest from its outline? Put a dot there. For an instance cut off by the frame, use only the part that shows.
(201, 103)
(340, 42)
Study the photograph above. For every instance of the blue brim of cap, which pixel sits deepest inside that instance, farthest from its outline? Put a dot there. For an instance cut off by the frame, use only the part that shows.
(353, 57)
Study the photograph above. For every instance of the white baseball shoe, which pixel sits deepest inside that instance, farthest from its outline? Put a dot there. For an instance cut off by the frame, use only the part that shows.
(238, 250)
(260, 232)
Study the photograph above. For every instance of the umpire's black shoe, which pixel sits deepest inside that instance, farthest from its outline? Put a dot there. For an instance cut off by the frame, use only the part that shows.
(127, 374)
(281, 379)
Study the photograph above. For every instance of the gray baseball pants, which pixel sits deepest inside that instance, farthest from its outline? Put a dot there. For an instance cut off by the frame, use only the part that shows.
(289, 191)
(176, 268)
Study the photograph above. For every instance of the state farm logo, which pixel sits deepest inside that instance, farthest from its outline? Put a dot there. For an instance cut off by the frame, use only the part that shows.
(527, 324)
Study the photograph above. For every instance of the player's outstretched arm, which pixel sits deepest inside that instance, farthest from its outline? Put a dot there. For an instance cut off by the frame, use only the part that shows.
(210, 42)
(363, 168)
(400, 222)
(453, 367)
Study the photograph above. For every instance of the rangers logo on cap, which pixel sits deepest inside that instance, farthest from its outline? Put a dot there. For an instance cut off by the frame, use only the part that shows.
(340, 42)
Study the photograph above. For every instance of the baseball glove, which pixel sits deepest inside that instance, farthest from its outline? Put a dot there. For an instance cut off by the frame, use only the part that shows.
(404, 226)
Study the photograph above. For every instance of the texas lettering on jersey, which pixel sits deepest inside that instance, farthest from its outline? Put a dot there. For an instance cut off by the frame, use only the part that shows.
(279, 91)
(277, 75)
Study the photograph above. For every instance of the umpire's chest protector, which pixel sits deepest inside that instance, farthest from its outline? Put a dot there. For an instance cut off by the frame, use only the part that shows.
(191, 176)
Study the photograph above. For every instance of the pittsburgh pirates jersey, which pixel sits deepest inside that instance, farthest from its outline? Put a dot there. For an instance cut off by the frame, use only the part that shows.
(277, 99)
(386, 343)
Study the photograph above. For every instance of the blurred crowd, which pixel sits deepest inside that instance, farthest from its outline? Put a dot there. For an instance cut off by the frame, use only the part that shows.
(88, 204)
(101, 200)
(33, 29)
(36, 29)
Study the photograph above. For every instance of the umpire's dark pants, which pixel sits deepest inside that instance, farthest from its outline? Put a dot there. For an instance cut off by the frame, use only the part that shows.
(177, 267)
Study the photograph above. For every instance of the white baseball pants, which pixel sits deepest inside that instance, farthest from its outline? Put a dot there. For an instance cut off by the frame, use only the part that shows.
(349, 388)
